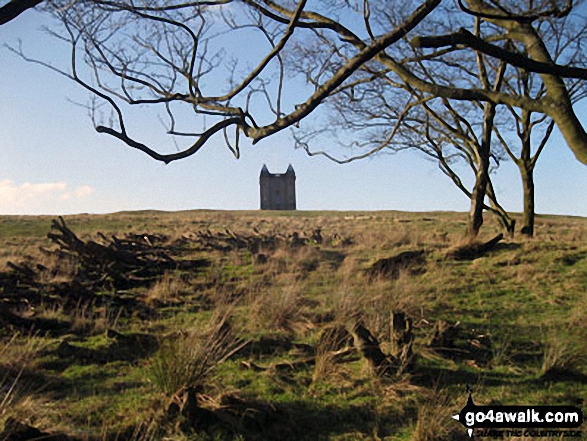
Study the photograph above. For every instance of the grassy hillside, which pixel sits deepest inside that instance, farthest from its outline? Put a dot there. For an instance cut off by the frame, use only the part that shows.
(243, 325)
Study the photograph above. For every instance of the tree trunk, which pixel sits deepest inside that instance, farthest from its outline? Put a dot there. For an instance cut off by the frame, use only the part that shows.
(526, 166)
(482, 175)
(368, 347)
(527, 174)
(477, 200)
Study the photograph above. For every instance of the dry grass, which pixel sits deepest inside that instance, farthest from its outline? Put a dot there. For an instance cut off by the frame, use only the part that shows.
(434, 422)
(374, 302)
(277, 308)
(333, 343)
(284, 303)
(88, 319)
(9, 381)
(16, 395)
(188, 358)
(168, 288)
(560, 355)
(294, 261)
(578, 317)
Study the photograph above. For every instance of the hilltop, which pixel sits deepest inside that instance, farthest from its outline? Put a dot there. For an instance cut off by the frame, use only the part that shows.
(259, 325)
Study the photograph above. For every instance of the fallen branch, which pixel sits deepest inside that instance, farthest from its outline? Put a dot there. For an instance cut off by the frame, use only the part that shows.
(473, 250)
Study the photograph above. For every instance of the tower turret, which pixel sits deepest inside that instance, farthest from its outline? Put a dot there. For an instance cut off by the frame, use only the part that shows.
(278, 191)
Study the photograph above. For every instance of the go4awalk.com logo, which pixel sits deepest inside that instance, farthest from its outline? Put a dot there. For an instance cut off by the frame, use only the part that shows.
(517, 421)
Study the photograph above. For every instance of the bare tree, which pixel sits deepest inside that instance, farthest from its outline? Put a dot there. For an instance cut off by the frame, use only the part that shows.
(175, 55)
(532, 39)
(519, 22)
(526, 127)
(532, 131)
(469, 131)
(447, 131)
(193, 58)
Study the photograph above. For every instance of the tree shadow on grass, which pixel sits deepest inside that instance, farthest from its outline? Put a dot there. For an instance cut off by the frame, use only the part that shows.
(29, 381)
(302, 420)
(128, 348)
(562, 376)
(432, 377)
(11, 323)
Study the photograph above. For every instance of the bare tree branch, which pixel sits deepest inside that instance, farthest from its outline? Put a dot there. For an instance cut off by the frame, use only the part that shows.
(466, 38)
(500, 13)
(14, 8)
(167, 158)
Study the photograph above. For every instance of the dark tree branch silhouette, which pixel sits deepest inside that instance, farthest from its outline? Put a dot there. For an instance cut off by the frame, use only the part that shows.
(166, 53)
(13, 8)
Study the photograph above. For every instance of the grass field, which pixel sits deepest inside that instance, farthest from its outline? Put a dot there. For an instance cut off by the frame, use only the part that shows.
(239, 325)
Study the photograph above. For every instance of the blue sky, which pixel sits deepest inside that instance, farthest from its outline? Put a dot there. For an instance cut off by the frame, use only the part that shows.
(53, 162)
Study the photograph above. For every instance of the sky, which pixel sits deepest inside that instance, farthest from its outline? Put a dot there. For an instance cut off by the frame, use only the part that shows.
(53, 162)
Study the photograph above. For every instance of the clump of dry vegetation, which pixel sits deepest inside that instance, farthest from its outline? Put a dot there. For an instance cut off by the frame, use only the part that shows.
(563, 356)
(187, 358)
(20, 390)
(434, 422)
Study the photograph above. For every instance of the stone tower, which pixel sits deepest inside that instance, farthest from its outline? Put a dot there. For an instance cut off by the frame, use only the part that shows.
(278, 191)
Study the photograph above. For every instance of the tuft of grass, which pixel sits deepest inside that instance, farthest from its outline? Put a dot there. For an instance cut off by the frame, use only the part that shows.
(560, 355)
(188, 358)
(335, 341)
(9, 381)
(278, 308)
(16, 355)
(89, 319)
(434, 422)
(168, 288)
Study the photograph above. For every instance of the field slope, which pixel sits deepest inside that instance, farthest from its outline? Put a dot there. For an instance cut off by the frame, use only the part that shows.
(282, 325)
